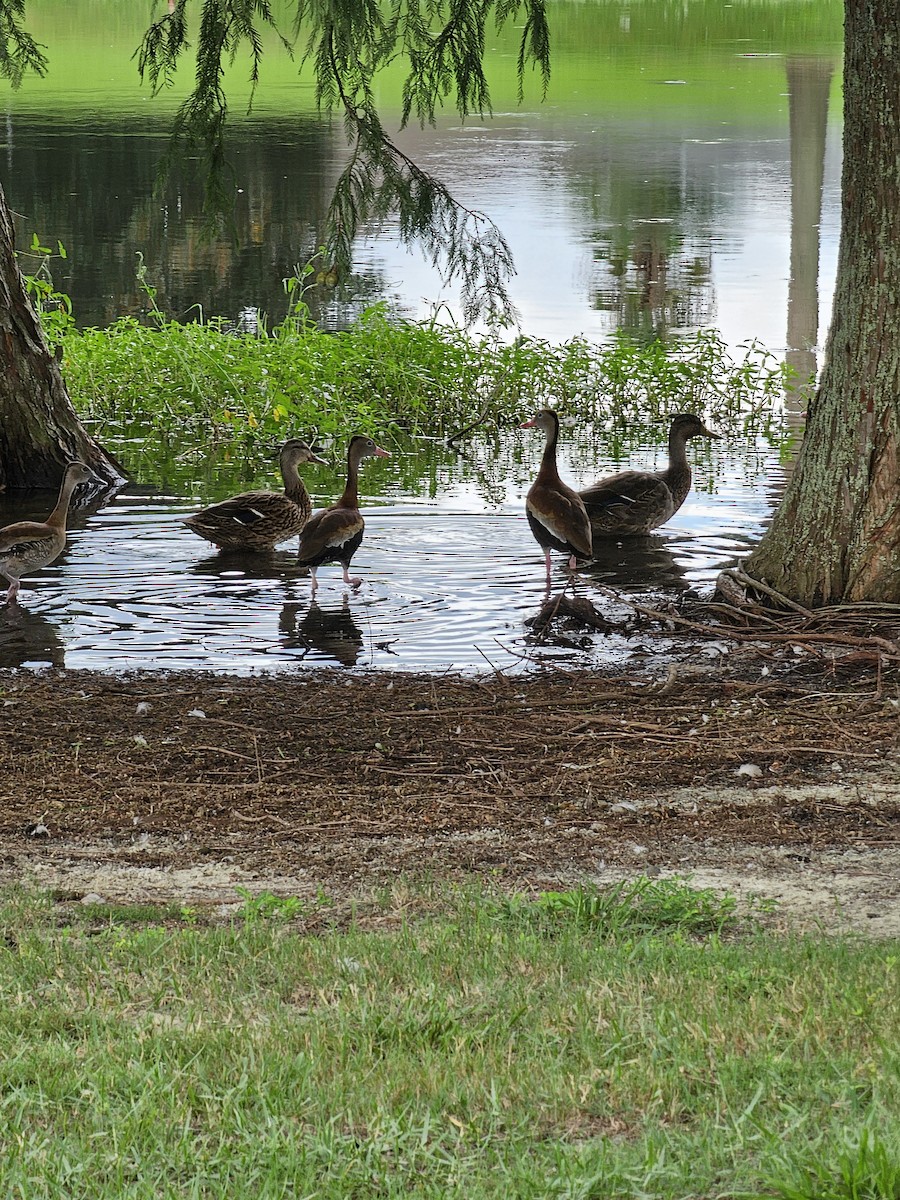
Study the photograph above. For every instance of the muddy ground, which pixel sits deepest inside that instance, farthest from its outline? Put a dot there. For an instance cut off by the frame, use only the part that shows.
(773, 775)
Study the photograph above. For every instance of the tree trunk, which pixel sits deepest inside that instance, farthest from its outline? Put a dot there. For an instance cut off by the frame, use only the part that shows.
(836, 534)
(39, 430)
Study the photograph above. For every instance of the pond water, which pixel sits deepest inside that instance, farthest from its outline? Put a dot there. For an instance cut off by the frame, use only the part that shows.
(682, 172)
(449, 579)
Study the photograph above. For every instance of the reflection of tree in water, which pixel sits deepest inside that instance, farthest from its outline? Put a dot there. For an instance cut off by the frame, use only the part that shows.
(657, 285)
(809, 87)
(93, 190)
(653, 248)
(26, 637)
(331, 632)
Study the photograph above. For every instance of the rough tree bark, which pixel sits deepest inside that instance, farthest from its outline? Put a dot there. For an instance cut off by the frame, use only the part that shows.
(836, 535)
(39, 430)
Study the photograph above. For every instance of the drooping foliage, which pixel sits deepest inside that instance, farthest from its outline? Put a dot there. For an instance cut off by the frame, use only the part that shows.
(349, 42)
(19, 52)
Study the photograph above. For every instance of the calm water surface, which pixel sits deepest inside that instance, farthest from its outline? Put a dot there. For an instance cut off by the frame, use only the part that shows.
(449, 580)
(682, 173)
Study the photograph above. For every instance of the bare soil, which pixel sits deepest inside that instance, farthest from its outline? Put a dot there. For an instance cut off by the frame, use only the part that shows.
(773, 777)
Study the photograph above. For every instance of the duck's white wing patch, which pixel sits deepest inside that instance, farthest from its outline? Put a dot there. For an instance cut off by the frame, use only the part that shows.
(248, 516)
(343, 532)
(553, 526)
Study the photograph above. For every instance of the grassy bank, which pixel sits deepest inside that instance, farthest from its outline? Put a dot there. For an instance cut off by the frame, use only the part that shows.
(641, 1042)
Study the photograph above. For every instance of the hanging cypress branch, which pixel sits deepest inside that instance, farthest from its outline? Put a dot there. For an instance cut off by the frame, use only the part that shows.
(462, 243)
(200, 124)
(349, 41)
(19, 52)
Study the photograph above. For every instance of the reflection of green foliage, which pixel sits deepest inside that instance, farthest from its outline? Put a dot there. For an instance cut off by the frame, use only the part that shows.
(657, 26)
(383, 65)
(593, 48)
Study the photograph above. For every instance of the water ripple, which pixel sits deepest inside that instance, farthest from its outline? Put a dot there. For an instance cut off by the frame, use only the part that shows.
(446, 586)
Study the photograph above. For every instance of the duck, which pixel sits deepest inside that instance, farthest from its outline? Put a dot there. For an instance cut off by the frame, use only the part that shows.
(334, 534)
(258, 521)
(29, 545)
(631, 503)
(556, 513)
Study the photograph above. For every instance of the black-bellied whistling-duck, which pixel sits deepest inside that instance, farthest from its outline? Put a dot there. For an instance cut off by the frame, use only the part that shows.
(334, 534)
(258, 521)
(631, 503)
(556, 512)
(30, 545)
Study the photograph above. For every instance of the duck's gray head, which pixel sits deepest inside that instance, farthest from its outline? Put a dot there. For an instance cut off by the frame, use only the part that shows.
(296, 451)
(688, 425)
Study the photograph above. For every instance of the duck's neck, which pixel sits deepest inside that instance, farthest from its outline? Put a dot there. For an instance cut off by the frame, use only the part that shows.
(294, 487)
(678, 472)
(350, 497)
(58, 517)
(548, 469)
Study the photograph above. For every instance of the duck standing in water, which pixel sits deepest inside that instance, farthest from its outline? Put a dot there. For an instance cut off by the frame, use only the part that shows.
(631, 503)
(30, 545)
(258, 521)
(334, 534)
(556, 513)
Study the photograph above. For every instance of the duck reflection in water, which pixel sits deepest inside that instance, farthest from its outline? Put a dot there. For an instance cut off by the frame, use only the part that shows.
(239, 564)
(331, 632)
(638, 564)
(28, 639)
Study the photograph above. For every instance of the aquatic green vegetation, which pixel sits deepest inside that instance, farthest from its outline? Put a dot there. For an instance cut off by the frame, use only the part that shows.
(443, 1042)
(209, 382)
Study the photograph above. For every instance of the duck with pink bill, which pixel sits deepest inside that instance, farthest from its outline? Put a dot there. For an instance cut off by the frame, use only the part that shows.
(334, 534)
(556, 513)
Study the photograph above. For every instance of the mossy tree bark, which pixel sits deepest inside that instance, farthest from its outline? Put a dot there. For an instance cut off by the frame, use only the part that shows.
(836, 535)
(39, 430)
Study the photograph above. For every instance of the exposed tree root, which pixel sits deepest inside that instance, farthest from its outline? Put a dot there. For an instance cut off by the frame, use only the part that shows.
(871, 630)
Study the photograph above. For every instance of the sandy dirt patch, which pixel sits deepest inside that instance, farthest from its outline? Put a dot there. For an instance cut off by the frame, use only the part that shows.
(184, 787)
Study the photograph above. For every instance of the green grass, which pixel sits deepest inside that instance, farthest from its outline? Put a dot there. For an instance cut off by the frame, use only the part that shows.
(479, 1048)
